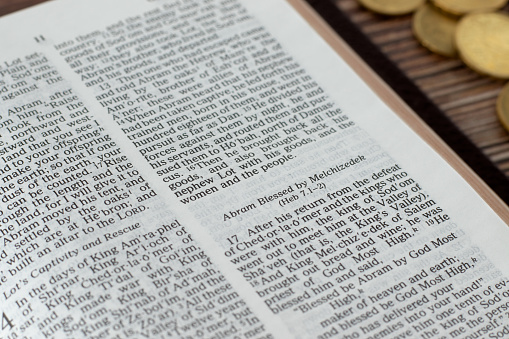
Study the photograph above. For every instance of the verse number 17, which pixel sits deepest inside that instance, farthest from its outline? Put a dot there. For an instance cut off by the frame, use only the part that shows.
(233, 239)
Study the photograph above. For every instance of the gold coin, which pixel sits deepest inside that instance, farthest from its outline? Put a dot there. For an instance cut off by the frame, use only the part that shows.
(392, 7)
(482, 40)
(435, 30)
(460, 7)
(503, 107)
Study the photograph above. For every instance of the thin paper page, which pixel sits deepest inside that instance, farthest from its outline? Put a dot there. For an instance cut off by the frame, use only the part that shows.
(315, 210)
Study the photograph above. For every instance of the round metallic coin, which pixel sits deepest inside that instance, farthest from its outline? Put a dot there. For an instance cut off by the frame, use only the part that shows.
(435, 30)
(460, 7)
(392, 7)
(482, 40)
(503, 107)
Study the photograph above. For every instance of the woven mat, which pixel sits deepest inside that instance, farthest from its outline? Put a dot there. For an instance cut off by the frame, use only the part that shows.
(9, 6)
(468, 99)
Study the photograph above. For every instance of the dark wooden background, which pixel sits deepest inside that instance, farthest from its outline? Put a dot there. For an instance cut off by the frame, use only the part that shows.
(468, 99)
(9, 6)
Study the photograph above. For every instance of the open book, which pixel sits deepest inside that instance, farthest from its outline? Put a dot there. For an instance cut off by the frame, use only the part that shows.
(214, 169)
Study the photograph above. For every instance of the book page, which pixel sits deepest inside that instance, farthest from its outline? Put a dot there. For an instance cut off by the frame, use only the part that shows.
(213, 169)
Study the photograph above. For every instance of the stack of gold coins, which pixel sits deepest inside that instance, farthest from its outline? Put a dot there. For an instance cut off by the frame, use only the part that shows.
(470, 29)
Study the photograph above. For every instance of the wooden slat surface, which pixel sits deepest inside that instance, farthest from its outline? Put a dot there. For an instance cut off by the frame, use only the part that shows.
(468, 99)
(9, 6)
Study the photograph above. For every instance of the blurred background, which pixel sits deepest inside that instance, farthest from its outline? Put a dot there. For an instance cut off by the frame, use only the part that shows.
(466, 97)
